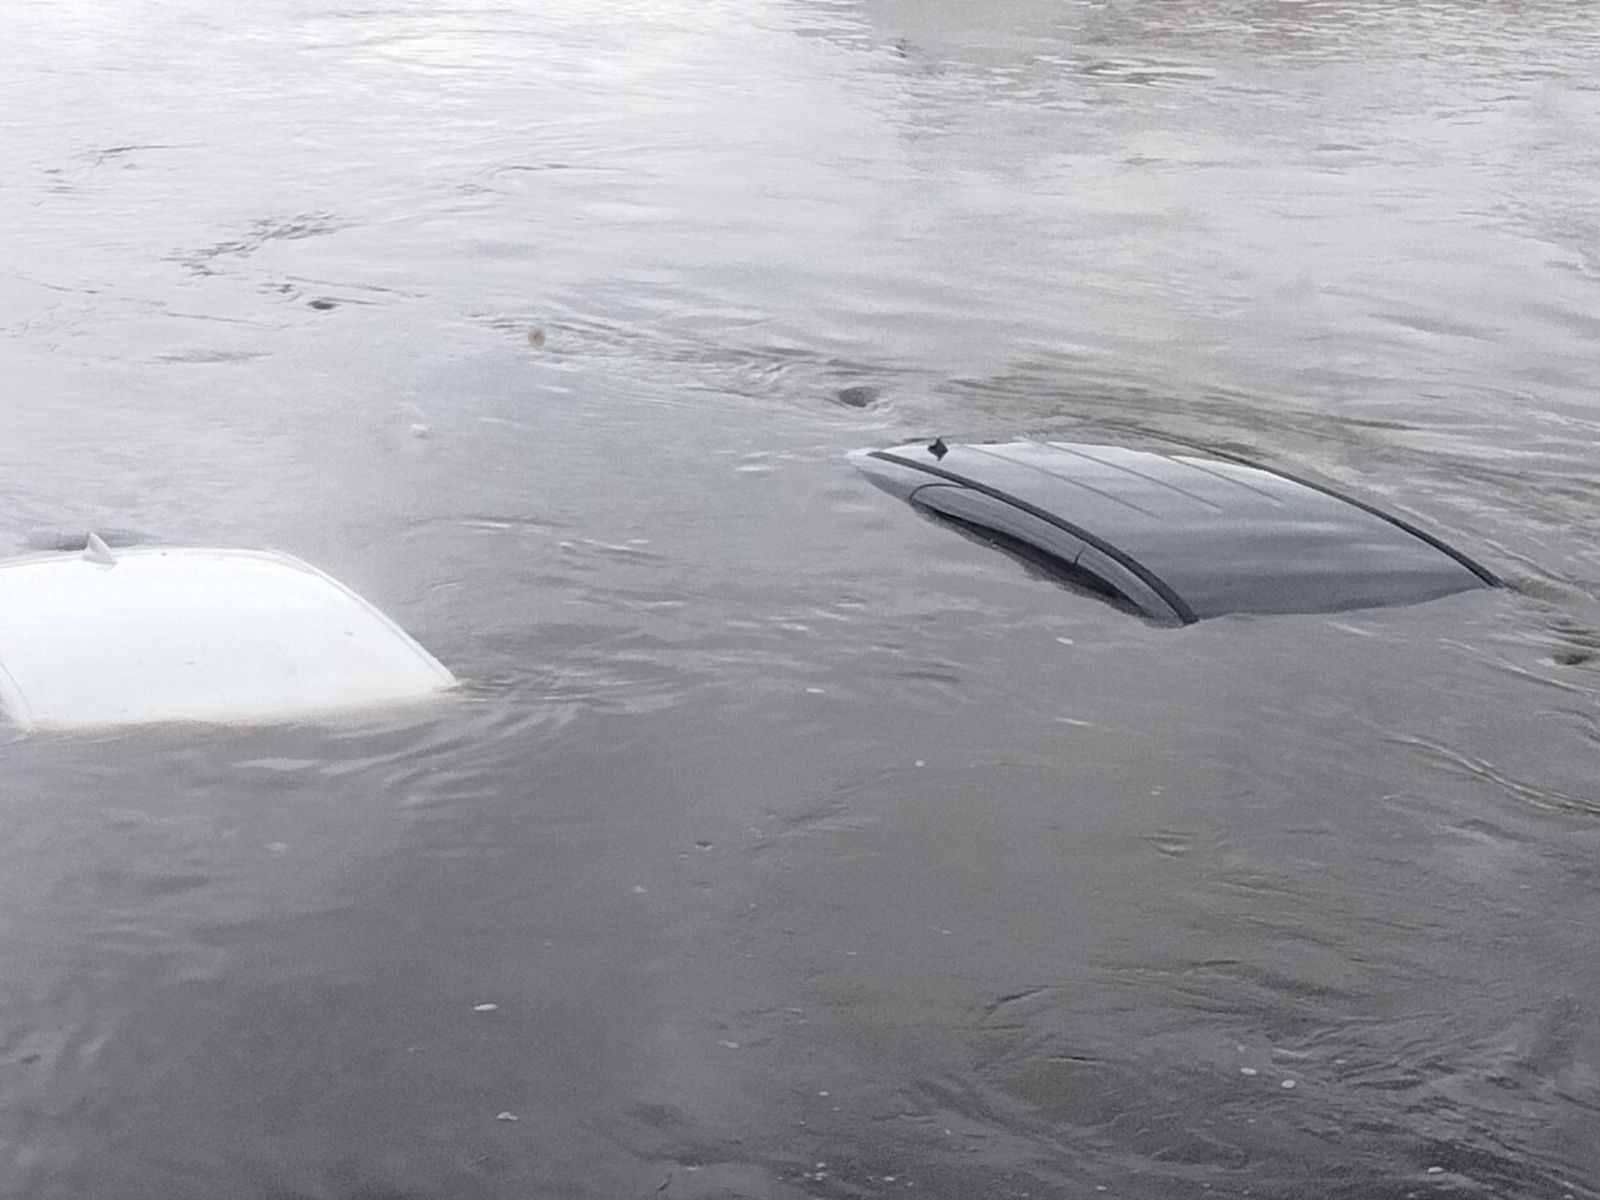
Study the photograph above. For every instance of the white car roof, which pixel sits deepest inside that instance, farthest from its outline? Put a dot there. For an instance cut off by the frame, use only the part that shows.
(188, 634)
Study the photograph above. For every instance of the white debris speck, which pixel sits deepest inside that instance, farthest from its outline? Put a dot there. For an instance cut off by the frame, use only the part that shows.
(419, 430)
(1065, 641)
(484, 1007)
(1248, 1071)
(1435, 1170)
(1287, 1083)
(822, 1093)
(729, 1045)
(506, 1116)
(637, 890)
(815, 691)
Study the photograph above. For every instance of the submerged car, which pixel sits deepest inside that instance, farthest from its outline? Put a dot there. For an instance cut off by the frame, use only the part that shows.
(157, 633)
(1178, 536)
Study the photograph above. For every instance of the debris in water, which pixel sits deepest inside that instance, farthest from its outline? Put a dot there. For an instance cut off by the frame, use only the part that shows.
(1287, 1083)
(505, 1116)
(484, 1007)
(1248, 1071)
(536, 338)
(419, 430)
(1435, 1170)
(860, 396)
(324, 305)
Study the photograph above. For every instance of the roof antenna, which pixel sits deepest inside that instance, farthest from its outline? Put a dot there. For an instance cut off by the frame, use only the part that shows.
(96, 551)
(937, 448)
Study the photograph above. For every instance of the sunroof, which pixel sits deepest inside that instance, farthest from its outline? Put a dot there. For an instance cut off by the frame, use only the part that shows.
(1181, 536)
(171, 634)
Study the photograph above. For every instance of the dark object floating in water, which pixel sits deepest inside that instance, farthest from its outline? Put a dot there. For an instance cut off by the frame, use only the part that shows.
(323, 305)
(1179, 536)
(860, 395)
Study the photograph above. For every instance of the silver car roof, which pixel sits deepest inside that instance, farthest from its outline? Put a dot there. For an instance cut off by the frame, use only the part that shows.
(1183, 536)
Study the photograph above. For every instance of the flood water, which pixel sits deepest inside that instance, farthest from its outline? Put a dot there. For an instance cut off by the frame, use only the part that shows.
(803, 847)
